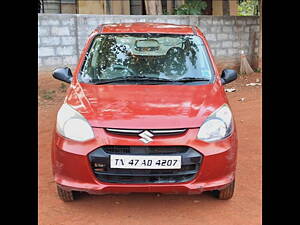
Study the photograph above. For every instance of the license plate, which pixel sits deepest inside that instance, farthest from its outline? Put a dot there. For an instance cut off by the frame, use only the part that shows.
(145, 162)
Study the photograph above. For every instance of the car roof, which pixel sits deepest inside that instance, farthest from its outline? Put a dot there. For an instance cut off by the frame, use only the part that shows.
(146, 28)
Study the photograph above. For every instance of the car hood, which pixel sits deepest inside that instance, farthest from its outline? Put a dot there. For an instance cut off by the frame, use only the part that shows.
(145, 106)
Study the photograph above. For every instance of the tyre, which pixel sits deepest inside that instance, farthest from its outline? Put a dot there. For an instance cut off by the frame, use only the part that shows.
(225, 193)
(66, 196)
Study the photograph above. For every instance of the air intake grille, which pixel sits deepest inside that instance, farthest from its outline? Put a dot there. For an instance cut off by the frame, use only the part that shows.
(143, 150)
(190, 164)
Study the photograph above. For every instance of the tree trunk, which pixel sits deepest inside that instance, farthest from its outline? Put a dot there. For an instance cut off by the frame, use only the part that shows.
(226, 8)
(170, 7)
(153, 7)
(179, 3)
(260, 39)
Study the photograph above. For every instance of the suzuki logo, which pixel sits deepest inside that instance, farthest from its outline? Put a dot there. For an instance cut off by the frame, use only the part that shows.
(146, 137)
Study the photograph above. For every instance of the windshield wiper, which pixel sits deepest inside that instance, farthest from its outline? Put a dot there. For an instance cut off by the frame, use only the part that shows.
(145, 78)
(191, 79)
(132, 78)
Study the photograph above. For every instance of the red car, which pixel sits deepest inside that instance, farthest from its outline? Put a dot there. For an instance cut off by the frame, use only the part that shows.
(145, 111)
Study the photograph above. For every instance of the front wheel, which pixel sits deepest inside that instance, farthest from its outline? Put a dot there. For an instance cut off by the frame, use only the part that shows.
(225, 193)
(66, 196)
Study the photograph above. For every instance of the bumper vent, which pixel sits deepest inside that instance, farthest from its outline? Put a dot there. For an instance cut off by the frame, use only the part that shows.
(191, 160)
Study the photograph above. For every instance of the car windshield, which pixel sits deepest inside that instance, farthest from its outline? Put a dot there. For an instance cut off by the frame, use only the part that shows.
(146, 57)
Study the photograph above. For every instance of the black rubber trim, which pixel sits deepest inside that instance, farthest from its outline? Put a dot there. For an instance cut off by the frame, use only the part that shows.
(190, 164)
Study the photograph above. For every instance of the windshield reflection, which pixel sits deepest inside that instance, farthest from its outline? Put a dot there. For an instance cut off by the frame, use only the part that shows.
(164, 56)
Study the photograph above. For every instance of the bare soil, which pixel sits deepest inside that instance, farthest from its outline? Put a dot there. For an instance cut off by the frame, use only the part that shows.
(151, 209)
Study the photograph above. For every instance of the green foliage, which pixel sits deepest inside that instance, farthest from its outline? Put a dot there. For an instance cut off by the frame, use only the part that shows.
(257, 70)
(191, 7)
(248, 8)
(63, 87)
(165, 12)
(47, 94)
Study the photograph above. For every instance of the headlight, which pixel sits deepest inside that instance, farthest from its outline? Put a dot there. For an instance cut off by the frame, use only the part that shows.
(71, 124)
(217, 126)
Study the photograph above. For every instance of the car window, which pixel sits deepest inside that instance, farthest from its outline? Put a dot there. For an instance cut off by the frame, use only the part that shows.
(166, 56)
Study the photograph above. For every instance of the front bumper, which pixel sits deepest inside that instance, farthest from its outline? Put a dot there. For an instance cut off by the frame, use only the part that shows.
(72, 169)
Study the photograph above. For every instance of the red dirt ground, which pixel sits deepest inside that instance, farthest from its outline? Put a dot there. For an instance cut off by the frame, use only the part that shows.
(151, 209)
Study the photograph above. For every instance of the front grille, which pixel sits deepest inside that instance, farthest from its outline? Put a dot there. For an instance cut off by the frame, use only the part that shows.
(100, 163)
(143, 150)
(158, 132)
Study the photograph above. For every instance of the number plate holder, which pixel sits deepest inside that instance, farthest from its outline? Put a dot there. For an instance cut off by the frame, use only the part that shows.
(145, 162)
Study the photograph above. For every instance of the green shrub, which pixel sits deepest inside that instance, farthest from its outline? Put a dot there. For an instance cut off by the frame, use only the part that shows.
(191, 7)
(63, 87)
(47, 94)
(248, 8)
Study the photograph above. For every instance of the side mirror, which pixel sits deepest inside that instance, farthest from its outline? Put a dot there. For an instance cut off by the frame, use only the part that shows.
(228, 76)
(63, 74)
